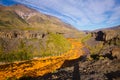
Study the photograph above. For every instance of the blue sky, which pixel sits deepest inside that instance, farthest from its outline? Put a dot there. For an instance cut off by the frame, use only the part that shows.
(82, 14)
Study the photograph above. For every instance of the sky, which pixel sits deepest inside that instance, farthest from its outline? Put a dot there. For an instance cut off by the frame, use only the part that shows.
(82, 14)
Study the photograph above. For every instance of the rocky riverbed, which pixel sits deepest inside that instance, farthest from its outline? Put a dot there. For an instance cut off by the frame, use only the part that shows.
(103, 69)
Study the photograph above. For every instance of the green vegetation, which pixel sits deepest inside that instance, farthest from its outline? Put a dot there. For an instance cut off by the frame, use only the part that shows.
(52, 45)
(9, 19)
(23, 53)
(95, 48)
(83, 39)
(55, 45)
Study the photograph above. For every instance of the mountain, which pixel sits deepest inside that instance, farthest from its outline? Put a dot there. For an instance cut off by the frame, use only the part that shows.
(21, 17)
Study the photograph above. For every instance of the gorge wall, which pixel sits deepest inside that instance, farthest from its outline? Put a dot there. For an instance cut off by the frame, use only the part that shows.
(22, 34)
(105, 42)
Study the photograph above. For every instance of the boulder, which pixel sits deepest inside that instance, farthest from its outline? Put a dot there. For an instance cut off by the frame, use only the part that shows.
(116, 52)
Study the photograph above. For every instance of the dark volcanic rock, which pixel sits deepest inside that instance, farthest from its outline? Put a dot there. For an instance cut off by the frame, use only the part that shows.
(107, 34)
(100, 36)
(104, 41)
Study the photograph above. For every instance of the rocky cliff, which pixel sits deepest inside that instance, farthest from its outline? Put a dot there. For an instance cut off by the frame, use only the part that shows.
(21, 34)
(105, 41)
(107, 34)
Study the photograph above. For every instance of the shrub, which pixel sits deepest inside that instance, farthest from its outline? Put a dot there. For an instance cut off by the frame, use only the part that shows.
(55, 45)
(20, 54)
(85, 38)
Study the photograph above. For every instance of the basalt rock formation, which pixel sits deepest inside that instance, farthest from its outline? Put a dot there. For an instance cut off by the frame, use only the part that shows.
(105, 41)
(22, 34)
(107, 34)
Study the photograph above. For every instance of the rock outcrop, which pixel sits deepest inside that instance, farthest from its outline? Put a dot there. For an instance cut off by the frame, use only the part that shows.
(22, 34)
(105, 42)
(116, 52)
(111, 34)
(107, 34)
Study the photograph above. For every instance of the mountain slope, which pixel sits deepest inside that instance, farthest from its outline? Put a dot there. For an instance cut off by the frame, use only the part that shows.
(20, 16)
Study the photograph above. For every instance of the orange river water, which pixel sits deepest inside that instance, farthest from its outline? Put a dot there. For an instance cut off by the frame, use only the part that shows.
(40, 66)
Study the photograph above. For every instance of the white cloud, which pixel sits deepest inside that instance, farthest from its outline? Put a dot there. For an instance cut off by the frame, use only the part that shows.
(80, 12)
(115, 16)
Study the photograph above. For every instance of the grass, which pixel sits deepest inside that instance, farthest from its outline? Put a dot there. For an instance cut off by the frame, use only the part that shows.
(83, 39)
(93, 49)
(10, 19)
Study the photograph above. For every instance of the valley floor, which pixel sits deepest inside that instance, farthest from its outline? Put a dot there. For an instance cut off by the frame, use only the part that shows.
(42, 66)
(72, 65)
